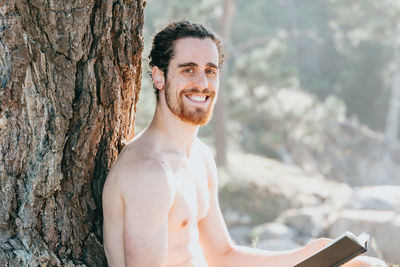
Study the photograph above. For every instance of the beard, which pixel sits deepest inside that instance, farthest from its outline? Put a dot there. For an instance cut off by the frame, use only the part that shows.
(193, 115)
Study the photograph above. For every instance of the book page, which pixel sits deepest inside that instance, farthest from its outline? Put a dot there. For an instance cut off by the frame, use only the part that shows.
(363, 239)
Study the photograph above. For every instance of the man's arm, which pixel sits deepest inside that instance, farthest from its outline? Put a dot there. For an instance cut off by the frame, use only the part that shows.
(220, 250)
(138, 235)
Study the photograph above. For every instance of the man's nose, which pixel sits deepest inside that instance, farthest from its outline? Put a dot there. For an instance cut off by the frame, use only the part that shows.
(202, 81)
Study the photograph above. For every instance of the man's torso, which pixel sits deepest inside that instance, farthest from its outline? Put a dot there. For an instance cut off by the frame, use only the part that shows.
(191, 203)
(188, 180)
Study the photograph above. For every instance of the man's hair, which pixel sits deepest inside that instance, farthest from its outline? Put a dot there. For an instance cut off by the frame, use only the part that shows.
(162, 49)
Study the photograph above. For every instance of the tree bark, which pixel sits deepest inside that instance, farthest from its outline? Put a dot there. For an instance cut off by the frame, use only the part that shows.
(70, 76)
(220, 107)
(393, 115)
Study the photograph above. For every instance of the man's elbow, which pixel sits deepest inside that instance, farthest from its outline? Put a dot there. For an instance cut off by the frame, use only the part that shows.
(228, 250)
(220, 257)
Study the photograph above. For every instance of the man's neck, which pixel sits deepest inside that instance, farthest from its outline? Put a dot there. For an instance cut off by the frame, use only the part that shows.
(172, 133)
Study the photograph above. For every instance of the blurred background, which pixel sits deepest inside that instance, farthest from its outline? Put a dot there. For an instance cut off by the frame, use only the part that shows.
(306, 129)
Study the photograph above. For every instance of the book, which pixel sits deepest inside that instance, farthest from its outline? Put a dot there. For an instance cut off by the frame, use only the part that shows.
(338, 252)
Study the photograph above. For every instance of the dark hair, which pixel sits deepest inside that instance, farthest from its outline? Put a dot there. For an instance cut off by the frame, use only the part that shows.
(162, 49)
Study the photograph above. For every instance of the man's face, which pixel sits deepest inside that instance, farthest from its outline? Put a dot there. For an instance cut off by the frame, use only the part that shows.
(193, 79)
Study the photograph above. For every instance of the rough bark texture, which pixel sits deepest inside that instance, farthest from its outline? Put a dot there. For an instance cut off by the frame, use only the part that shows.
(69, 80)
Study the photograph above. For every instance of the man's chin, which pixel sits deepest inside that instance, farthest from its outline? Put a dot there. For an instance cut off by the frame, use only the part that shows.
(196, 121)
(196, 118)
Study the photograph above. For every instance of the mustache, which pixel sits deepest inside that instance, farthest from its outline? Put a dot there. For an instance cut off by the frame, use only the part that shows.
(198, 91)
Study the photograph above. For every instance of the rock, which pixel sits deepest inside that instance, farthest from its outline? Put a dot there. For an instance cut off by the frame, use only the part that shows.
(382, 226)
(234, 218)
(241, 235)
(278, 244)
(375, 198)
(308, 222)
(350, 153)
(304, 207)
(261, 204)
(273, 231)
(263, 188)
(274, 236)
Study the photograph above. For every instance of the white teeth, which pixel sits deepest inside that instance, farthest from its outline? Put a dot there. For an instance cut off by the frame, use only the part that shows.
(197, 98)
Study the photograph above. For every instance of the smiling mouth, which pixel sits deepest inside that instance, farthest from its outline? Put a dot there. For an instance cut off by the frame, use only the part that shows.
(197, 98)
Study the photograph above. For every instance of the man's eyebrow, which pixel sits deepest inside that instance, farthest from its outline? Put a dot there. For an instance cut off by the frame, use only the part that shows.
(187, 64)
(212, 65)
(192, 64)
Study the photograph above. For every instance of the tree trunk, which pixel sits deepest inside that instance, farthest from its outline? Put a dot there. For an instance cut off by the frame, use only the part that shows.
(220, 107)
(70, 77)
(393, 115)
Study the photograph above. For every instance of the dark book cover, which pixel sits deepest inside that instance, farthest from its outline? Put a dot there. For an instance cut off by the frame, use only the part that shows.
(338, 252)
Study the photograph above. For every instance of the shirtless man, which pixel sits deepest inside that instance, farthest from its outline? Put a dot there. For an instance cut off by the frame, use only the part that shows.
(160, 199)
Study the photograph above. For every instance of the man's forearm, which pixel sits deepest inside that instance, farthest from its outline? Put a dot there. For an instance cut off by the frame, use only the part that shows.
(244, 256)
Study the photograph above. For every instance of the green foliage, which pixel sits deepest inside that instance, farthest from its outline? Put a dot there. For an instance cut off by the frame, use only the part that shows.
(369, 20)
(268, 65)
(366, 35)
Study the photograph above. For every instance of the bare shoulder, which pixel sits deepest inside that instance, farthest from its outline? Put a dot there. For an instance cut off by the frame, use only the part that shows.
(208, 157)
(205, 151)
(137, 174)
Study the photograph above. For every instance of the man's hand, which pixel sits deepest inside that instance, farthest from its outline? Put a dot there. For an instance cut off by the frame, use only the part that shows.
(360, 261)
(316, 245)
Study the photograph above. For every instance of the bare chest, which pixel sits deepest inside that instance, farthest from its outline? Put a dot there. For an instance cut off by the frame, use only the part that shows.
(191, 202)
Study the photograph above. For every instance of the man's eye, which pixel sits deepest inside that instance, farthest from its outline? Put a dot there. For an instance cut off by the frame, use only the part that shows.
(211, 71)
(187, 71)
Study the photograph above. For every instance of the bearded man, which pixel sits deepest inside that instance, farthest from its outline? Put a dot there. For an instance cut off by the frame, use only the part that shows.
(160, 199)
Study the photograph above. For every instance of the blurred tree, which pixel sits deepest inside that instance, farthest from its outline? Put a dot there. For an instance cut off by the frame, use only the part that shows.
(378, 22)
(393, 117)
(70, 77)
(225, 26)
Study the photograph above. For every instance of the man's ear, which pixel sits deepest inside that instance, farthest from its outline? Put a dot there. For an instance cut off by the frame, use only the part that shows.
(158, 78)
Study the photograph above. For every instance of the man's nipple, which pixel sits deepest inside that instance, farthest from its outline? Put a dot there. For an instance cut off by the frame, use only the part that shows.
(184, 223)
